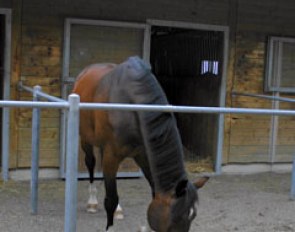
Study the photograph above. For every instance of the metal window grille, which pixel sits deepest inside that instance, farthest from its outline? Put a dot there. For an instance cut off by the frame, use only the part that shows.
(209, 66)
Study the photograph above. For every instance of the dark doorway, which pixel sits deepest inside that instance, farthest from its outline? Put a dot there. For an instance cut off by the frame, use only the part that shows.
(2, 55)
(188, 65)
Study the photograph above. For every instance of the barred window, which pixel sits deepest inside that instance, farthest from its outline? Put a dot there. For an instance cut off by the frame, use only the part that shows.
(209, 66)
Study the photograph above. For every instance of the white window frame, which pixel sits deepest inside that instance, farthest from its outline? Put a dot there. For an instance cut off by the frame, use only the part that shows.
(89, 22)
(274, 64)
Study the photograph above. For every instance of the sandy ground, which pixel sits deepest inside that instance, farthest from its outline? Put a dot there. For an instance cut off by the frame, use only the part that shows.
(249, 203)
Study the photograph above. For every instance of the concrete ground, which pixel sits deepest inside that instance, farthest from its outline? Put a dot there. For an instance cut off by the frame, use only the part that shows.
(246, 203)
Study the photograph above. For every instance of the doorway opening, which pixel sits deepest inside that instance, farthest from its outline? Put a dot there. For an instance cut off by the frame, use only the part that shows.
(188, 64)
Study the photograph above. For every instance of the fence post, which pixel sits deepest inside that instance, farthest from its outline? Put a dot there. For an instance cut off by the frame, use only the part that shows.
(35, 153)
(5, 142)
(220, 138)
(72, 164)
(293, 181)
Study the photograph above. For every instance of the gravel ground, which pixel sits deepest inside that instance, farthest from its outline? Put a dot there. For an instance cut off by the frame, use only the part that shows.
(246, 203)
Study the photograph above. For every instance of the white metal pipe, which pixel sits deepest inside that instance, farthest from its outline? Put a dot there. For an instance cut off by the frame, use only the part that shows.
(142, 107)
(26, 88)
(31, 104)
(274, 98)
(35, 153)
(39, 93)
(72, 164)
(183, 109)
(50, 98)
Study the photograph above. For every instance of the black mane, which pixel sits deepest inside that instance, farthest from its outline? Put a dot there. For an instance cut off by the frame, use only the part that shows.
(136, 84)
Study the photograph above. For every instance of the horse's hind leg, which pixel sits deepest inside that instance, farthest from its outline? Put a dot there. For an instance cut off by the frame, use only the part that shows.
(90, 164)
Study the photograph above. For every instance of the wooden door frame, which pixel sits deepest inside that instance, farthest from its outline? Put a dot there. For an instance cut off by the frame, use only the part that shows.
(6, 92)
(222, 96)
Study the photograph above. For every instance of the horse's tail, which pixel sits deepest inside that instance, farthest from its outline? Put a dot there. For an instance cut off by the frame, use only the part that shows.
(159, 131)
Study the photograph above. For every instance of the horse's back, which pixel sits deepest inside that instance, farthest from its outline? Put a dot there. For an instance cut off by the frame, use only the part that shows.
(89, 79)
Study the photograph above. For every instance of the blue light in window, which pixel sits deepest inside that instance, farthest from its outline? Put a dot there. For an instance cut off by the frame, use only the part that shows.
(210, 67)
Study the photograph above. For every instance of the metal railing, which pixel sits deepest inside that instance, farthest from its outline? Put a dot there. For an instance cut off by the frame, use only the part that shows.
(282, 99)
(268, 97)
(73, 107)
(8, 104)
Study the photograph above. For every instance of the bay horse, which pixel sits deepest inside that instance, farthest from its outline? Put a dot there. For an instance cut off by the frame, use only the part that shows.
(150, 138)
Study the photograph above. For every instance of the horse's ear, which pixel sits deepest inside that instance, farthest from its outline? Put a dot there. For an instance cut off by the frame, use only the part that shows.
(180, 189)
(201, 182)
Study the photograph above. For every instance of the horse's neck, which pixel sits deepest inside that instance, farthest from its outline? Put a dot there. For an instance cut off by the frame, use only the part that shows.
(159, 132)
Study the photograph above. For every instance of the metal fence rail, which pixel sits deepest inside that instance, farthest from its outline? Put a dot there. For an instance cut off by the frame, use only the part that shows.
(273, 98)
(73, 106)
(184, 109)
(37, 90)
(16, 104)
(37, 95)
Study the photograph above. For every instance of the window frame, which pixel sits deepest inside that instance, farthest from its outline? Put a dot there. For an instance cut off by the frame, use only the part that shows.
(275, 49)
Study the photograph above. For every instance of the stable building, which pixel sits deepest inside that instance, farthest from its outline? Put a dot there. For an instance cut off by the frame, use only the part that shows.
(204, 53)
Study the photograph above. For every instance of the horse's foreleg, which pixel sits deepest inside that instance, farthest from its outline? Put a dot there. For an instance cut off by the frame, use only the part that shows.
(111, 200)
(92, 203)
(90, 161)
(110, 168)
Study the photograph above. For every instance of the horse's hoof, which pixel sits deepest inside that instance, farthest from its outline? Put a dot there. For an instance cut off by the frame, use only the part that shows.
(110, 230)
(145, 229)
(119, 215)
(91, 208)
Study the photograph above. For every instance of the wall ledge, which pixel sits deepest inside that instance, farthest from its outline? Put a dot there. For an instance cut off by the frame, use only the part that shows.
(25, 174)
(256, 168)
(229, 169)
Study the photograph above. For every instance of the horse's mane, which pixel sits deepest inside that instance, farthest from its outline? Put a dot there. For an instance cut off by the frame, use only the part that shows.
(159, 132)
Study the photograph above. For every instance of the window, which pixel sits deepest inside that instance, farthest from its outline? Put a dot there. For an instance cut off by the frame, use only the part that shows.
(280, 68)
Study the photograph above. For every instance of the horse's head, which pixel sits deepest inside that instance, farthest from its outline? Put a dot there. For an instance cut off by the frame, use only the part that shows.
(174, 211)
